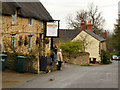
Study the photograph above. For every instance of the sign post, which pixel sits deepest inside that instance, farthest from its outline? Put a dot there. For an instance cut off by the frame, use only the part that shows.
(52, 30)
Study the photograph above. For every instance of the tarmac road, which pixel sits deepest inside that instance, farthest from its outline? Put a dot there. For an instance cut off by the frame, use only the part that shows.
(73, 76)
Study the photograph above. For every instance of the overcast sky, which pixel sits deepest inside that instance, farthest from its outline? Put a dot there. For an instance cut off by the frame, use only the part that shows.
(60, 9)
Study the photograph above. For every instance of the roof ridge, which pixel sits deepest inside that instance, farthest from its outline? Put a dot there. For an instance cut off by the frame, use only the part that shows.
(95, 35)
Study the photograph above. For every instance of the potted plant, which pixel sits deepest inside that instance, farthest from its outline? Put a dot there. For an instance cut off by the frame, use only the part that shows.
(26, 41)
(37, 40)
(46, 40)
(20, 42)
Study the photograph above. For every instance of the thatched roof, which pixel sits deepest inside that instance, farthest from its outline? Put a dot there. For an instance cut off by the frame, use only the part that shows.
(27, 9)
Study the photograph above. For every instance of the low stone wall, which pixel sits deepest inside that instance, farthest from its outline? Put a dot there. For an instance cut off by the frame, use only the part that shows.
(80, 60)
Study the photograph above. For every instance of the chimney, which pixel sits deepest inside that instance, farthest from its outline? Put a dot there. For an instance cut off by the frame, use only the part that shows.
(83, 27)
(105, 35)
(89, 26)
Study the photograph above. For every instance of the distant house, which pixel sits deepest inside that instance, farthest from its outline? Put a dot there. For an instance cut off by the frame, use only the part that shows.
(66, 35)
(95, 42)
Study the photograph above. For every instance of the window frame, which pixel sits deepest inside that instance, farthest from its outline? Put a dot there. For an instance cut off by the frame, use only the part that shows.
(30, 41)
(13, 40)
(14, 18)
(30, 20)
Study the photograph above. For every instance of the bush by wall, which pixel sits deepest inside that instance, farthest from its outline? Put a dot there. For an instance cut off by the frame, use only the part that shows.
(11, 61)
(31, 63)
(72, 49)
(105, 57)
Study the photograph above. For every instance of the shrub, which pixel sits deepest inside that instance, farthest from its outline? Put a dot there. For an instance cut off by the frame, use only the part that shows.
(71, 48)
(105, 58)
(31, 63)
(46, 41)
(20, 42)
(11, 61)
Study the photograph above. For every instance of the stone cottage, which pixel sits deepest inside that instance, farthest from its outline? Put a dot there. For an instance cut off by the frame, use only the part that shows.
(94, 42)
(23, 27)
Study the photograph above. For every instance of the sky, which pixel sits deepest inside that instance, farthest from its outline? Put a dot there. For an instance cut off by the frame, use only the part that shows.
(60, 9)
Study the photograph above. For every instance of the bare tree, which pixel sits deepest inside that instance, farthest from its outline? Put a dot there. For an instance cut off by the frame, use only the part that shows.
(75, 22)
(92, 14)
(97, 19)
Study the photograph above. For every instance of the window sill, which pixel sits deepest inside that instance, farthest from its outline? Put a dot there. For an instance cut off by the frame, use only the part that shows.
(14, 24)
(30, 25)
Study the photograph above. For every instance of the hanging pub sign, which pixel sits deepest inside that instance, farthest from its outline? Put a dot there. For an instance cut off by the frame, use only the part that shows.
(52, 29)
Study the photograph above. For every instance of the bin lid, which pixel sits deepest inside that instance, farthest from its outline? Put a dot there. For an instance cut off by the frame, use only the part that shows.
(3, 55)
(21, 57)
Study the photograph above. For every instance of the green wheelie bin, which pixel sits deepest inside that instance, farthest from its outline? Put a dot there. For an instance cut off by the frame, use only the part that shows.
(21, 62)
(3, 60)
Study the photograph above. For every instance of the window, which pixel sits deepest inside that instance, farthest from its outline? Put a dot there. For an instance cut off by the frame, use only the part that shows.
(13, 40)
(30, 21)
(41, 25)
(30, 41)
(14, 18)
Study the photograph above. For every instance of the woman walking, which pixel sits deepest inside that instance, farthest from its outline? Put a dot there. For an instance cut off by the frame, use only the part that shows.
(59, 59)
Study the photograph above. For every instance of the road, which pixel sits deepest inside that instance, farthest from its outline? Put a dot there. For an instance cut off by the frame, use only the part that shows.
(73, 76)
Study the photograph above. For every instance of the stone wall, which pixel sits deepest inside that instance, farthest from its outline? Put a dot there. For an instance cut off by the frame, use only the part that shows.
(22, 29)
(80, 60)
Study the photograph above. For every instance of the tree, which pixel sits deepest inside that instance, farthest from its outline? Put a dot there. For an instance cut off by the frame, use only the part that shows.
(97, 19)
(92, 14)
(113, 40)
(105, 59)
(110, 42)
(116, 37)
(76, 22)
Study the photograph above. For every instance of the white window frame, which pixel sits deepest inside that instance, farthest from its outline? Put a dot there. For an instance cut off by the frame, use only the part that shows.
(30, 21)
(14, 40)
(30, 41)
(14, 18)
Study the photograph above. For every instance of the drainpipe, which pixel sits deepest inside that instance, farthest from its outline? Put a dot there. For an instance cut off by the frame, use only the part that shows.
(99, 51)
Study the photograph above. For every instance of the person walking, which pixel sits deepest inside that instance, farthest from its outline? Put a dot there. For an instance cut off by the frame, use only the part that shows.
(59, 59)
(55, 49)
(54, 56)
